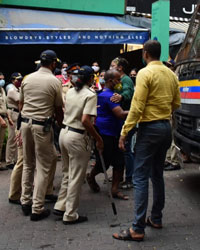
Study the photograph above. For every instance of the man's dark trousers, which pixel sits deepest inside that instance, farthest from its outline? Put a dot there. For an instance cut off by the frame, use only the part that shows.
(153, 140)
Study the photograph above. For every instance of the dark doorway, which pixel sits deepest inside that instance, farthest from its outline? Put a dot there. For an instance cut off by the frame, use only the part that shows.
(21, 58)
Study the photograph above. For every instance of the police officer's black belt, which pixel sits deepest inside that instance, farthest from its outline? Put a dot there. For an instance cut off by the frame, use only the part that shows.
(26, 120)
(14, 109)
(3, 116)
(80, 131)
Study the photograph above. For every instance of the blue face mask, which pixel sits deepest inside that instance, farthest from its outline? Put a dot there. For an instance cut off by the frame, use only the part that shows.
(2, 83)
(102, 81)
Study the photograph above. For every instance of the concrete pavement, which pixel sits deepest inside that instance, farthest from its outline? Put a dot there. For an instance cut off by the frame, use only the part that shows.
(181, 219)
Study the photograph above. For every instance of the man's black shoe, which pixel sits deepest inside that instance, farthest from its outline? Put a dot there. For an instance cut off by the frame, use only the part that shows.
(166, 164)
(172, 167)
(17, 202)
(10, 166)
(26, 209)
(36, 217)
(58, 212)
(51, 197)
(3, 168)
(79, 220)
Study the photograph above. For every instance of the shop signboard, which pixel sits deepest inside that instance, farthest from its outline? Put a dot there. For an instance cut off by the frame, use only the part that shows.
(178, 8)
(72, 37)
(102, 6)
(160, 26)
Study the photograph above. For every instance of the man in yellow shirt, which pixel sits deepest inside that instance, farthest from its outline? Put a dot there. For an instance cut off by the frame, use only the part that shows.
(156, 97)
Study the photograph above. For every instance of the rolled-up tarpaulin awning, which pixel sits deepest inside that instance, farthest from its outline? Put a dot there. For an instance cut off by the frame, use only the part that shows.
(26, 26)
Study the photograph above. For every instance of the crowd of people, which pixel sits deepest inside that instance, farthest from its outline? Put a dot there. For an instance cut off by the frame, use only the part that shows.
(73, 112)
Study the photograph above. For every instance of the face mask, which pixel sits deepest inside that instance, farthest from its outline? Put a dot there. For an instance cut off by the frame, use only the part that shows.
(118, 87)
(102, 81)
(18, 83)
(2, 83)
(133, 78)
(74, 79)
(64, 72)
(96, 68)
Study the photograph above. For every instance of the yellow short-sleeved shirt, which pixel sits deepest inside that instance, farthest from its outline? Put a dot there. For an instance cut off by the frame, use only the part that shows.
(156, 96)
(40, 93)
(78, 103)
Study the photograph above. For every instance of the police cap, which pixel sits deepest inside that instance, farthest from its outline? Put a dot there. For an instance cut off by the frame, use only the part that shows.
(48, 55)
(85, 71)
(72, 67)
(16, 75)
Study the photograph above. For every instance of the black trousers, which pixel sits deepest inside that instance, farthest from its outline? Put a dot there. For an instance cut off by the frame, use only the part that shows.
(112, 155)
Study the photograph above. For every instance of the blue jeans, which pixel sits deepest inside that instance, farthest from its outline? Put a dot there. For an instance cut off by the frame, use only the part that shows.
(153, 140)
(129, 156)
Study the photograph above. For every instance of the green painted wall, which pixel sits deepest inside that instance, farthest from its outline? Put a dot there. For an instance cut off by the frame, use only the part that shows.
(101, 6)
(160, 26)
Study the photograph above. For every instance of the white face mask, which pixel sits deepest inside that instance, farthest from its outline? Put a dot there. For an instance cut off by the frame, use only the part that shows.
(2, 83)
(64, 72)
(96, 68)
(74, 79)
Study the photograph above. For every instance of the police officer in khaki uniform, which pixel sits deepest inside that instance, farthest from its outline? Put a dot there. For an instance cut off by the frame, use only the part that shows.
(13, 111)
(40, 99)
(3, 117)
(80, 108)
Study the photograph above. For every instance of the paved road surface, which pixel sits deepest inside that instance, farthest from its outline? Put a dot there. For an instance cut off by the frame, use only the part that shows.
(181, 219)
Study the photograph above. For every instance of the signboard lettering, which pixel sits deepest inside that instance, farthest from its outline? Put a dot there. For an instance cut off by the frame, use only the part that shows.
(191, 11)
(73, 37)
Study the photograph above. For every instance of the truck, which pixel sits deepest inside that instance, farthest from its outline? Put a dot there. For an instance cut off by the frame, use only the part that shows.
(187, 117)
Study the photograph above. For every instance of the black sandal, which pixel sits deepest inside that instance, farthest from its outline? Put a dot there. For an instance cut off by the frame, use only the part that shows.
(126, 235)
(150, 223)
(119, 195)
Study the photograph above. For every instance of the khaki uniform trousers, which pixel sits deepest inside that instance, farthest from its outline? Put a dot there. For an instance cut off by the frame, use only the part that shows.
(75, 150)
(11, 146)
(2, 137)
(16, 178)
(39, 152)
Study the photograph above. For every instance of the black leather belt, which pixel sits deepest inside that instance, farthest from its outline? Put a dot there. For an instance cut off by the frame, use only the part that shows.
(80, 131)
(26, 120)
(155, 121)
(14, 109)
(3, 116)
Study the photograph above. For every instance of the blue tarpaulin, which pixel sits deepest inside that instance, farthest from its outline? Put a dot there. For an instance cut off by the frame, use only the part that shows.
(24, 26)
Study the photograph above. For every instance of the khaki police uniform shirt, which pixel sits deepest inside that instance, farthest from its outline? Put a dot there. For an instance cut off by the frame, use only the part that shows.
(3, 109)
(40, 93)
(78, 103)
(13, 97)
